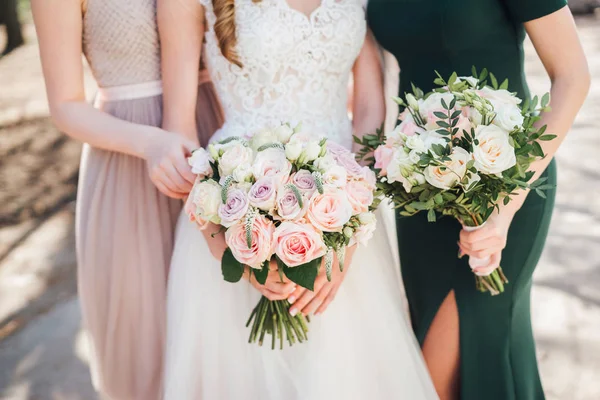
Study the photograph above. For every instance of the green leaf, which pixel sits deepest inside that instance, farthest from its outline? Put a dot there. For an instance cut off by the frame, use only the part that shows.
(452, 79)
(456, 114)
(261, 274)
(231, 268)
(440, 115)
(431, 216)
(438, 199)
(445, 105)
(540, 193)
(545, 100)
(483, 75)
(443, 124)
(474, 71)
(504, 85)
(303, 275)
(494, 81)
(537, 150)
(547, 138)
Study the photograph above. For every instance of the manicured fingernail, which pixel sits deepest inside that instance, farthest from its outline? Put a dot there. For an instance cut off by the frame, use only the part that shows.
(293, 289)
(293, 312)
(291, 299)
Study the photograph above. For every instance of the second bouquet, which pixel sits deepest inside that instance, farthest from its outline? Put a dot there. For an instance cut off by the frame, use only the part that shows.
(286, 196)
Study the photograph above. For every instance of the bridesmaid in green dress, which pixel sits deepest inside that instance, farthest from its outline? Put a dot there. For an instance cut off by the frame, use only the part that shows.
(477, 346)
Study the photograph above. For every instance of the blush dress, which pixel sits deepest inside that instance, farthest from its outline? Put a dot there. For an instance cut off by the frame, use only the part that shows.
(125, 226)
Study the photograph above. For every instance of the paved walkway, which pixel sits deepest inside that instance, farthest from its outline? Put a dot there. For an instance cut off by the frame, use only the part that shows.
(42, 351)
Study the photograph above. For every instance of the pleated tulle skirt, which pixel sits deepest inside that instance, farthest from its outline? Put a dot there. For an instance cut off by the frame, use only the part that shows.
(125, 229)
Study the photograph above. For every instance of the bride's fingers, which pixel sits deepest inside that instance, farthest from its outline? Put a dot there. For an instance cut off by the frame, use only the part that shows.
(272, 295)
(307, 296)
(296, 294)
(318, 300)
(327, 301)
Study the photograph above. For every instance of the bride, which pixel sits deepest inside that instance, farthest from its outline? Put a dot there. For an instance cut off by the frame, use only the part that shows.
(276, 61)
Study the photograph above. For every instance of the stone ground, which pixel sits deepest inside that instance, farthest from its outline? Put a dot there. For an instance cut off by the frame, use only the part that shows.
(42, 351)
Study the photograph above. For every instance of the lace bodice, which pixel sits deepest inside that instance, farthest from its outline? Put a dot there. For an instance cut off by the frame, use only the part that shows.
(295, 67)
(120, 41)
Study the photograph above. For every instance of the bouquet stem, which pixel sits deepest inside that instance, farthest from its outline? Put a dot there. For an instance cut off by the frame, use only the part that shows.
(274, 318)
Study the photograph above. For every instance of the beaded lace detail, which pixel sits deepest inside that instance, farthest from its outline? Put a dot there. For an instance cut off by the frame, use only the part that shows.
(295, 67)
(120, 41)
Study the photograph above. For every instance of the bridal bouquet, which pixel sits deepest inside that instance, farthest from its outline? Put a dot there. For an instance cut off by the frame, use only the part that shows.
(460, 151)
(285, 195)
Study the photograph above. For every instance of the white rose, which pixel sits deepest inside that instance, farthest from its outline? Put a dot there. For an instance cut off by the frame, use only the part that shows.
(366, 218)
(493, 154)
(434, 102)
(451, 172)
(500, 95)
(242, 173)
(263, 137)
(272, 162)
(311, 152)
(284, 133)
(335, 176)
(234, 156)
(200, 162)
(324, 163)
(430, 138)
(400, 169)
(207, 199)
(293, 150)
(474, 116)
(508, 117)
(414, 156)
(415, 143)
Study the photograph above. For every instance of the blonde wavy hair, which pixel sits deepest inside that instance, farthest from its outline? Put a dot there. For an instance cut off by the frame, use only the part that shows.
(225, 29)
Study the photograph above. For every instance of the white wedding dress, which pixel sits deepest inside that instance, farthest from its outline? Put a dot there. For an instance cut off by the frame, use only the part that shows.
(296, 68)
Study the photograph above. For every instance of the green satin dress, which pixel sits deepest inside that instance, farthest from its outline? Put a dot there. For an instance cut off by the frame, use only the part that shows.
(498, 360)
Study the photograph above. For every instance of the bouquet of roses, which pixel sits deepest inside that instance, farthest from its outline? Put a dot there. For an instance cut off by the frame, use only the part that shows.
(460, 151)
(283, 194)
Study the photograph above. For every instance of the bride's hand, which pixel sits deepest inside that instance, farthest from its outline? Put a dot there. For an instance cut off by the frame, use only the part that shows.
(317, 301)
(166, 155)
(274, 288)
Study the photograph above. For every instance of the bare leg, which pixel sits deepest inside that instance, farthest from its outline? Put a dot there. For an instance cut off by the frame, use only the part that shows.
(441, 350)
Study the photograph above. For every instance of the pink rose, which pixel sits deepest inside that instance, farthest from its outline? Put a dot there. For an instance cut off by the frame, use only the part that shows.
(336, 149)
(409, 127)
(288, 206)
(383, 157)
(272, 162)
(297, 243)
(364, 233)
(305, 182)
(330, 211)
(263, 194)
(369, 178)
(235, 208)
(262, 246)
(348, 161)
(464, 124)
(360, 196)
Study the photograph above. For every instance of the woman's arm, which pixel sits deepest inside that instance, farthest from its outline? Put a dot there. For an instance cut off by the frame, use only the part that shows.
(556, 42)
(181, 27)
(59, 29)
(368, 103)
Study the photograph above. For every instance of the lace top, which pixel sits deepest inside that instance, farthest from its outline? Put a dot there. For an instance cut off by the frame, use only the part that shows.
(295, 67)
(120, 41)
